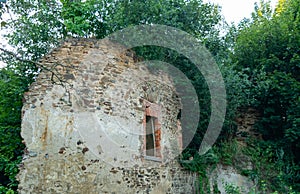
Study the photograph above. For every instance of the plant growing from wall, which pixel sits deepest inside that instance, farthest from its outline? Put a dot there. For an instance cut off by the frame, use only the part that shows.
(232, 189)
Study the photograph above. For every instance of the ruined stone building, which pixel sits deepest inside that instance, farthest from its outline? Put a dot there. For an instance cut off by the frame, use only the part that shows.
(96, 121)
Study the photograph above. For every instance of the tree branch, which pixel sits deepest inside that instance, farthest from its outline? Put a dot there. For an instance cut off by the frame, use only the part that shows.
(14, 55)
(39, 65)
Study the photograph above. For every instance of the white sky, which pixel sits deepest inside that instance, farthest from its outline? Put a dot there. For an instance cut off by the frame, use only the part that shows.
(236, 10)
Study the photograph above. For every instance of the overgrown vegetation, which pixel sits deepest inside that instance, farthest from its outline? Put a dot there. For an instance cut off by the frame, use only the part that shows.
(259, 60)
(12, 88)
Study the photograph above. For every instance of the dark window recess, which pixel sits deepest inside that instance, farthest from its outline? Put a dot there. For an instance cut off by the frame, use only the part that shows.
(179, 115)
(153, 137)
(150, 136)
(152, 127)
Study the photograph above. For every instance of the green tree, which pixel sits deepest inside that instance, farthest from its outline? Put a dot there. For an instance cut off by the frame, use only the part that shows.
(267, 49)
(12, 88)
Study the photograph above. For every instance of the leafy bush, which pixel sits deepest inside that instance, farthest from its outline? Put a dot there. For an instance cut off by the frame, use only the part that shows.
(12, 87)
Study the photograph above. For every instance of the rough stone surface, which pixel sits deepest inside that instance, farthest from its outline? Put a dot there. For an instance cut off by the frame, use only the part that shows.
(83, 125)
(245, 122)
(223, 175)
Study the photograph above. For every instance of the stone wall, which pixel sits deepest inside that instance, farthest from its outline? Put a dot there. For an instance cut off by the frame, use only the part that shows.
(246, 123)
(83, 124)
(222, 175)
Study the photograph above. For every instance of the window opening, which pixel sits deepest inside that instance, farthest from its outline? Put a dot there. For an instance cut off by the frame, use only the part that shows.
(152, 127)
(150, 136)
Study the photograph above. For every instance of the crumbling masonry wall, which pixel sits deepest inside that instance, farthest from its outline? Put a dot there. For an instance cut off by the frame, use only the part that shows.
(83, 124)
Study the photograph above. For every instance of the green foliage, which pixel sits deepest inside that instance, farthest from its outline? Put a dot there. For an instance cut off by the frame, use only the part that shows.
(6, 190)
(273, 169)
(40, 25)
(88, 18)
(2, 10)
(232, 189)
(259, 60)
(239, 94)
(268, 49)
(37, 29)
(227, 152)
(12, 87)
(199, 163)
(262, 11)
